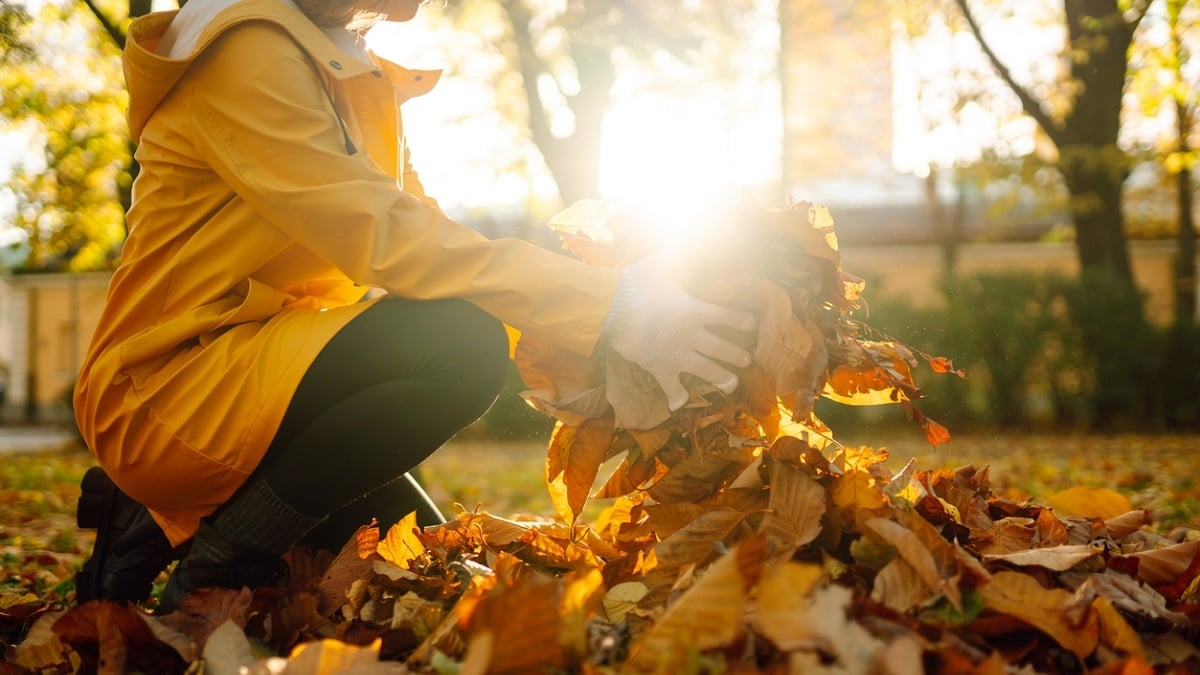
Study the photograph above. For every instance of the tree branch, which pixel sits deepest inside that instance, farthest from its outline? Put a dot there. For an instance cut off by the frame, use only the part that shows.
(109, 27)
(1029, 104)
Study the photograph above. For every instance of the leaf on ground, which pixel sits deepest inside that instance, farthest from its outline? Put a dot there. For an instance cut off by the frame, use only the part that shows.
(1047, 609)
(349, 565)
(1055, 558)
(114, 638)
(202, 611)
(781, 604)
(1165, 565)
(1127, 594)
(899, 586)
(402, 545)
(523, 622)
(706, 616)
(334, 657)
(1115, 631)
(1089, 502)
(41, 649)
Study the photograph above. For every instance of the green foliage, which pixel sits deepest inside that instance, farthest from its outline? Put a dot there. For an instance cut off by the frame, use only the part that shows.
(62, 88)
(1049, 349)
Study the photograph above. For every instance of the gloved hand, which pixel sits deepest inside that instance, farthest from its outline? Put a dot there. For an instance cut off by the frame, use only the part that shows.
(660, 327)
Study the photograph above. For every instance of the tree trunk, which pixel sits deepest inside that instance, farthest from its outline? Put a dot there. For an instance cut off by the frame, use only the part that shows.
(1185, 266)
(1095, 191)
(574, 161)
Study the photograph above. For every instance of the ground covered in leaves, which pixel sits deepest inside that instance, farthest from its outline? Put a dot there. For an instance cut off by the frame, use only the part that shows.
(40, 548)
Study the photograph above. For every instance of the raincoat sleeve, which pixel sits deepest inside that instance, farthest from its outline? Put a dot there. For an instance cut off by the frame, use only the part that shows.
(265, 125)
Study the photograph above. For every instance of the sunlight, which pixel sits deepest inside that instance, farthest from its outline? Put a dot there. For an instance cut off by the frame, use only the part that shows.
(665, 159)
(668, 155)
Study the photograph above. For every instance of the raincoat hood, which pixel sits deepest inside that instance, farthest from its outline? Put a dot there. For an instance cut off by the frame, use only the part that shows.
(162, 46)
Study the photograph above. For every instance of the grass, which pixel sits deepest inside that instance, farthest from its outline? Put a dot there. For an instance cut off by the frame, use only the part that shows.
(40, 547)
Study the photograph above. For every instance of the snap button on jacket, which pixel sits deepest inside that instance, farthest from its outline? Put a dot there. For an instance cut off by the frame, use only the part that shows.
(255, 231)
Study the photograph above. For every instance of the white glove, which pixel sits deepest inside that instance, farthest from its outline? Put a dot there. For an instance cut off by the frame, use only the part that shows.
(660, 327)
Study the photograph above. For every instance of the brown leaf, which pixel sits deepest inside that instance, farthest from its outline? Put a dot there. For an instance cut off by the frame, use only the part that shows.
(636, 399)
(1021, 596)
(523, 622)
(1162, 566)
(795, 510)
(350, 564)
(1055, 558)
(695, 477)
(911, 550)
(114, 639)
(202, 611)
(696, 542)
(899, 586)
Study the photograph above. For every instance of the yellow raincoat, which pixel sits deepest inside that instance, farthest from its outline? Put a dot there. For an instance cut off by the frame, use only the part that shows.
(259, 220)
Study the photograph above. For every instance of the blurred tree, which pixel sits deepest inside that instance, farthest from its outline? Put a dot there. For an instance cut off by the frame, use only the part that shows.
(61, 88)
(1084, 125)
(568, 55)
(1173, 60)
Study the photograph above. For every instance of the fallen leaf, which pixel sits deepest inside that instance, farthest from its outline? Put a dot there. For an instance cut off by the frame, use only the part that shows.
(1090, 502)
(706, 616)
(781, 604)
(1056, 558)
(1022, 597)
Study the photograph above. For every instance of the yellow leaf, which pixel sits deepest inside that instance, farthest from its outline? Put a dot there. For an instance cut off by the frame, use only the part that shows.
(328, 657)
(1021, 596)
(1086, 502)
(1115, 632)
(623, 598)
(401, 545)
(706, 616)
(782, 610)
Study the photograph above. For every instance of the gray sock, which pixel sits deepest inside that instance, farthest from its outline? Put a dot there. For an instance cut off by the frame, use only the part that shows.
(258, 520)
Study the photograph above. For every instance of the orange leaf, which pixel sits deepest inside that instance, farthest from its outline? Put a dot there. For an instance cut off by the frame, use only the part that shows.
(586, 451)
(935, 433)
(943, 365)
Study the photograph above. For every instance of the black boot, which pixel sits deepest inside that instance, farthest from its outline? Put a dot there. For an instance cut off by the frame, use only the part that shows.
(216, 562)
(241, 545)
(130, 550)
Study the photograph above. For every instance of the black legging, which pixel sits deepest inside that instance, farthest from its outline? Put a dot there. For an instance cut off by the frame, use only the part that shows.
(386, 392)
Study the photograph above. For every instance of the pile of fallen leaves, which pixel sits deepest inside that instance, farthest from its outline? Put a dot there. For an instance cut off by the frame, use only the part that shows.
(739, 535)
